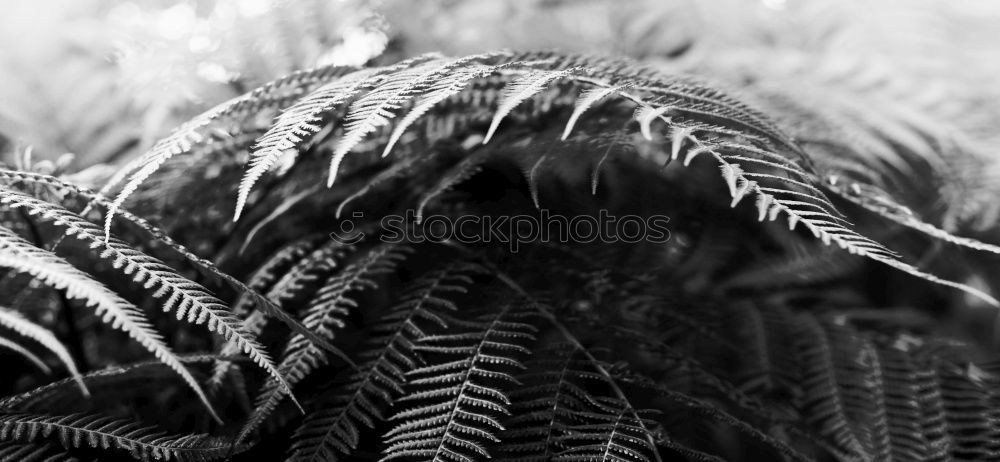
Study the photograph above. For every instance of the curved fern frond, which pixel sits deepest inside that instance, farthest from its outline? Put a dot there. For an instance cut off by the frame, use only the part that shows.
(247, 293)
(294, 126)
(879, 202)
(187, 298)
(375, 109)
(61, 394)
(754, 156)
(298, 123)
(25, 353)
(586, 100)
(20, 255)
(142, 442)
(454, 406)
(519, 90)
(550, 396)
(275, 94)
(13, 320)
(440, 91)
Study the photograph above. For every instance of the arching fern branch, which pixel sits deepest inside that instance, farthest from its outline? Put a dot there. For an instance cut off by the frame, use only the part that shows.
(189, 299)
(93, 198)
(20, 255)
(754, 157)
(14, 321)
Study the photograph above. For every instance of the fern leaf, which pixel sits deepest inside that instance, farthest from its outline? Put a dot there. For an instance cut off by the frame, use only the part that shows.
(271, 95)
(323, 315)
(520, 90)
(586, 100)
(82, 430)
(14, 321)
(877, 201)
(438, 93)
(293, 126)
(335, 429)
(25, 353)
(247, 293)
(375, 109)
(299, 122)
(111, 381)
(189, 299)
(817, 219)
(455, 405)
(20, 255)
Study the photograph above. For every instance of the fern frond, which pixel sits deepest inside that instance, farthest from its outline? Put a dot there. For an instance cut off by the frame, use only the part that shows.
(335, 429)
(586, 100)
(20, 255)
(82, 430)
(28, 452)
(275, 94)
(556, 415)
(25, 353)
(438, 92)
(774, 200)
(454, 406)
(298, 123)
(375, 109)
(323, 315)
(187, 298)
(247, 293)
(613, 435)
(316, 264)
(879, 202)
(62, 394)
(553, 391)
(13, 320)
(519, 90)
(293, 126)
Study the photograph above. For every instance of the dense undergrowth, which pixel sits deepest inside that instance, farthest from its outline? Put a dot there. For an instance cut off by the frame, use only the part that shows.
(825, 292)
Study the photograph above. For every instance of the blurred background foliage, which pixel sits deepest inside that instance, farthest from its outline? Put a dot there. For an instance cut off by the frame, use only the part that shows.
(102, 79)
